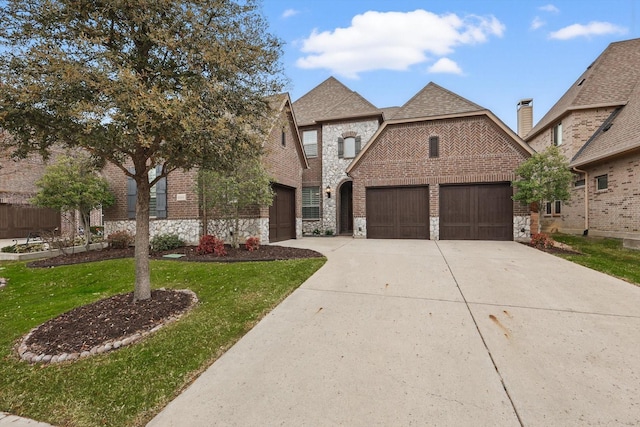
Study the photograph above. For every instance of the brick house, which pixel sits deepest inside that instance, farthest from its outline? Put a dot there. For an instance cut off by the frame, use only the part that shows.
(439, 167)
(174, 201)
(595, 125)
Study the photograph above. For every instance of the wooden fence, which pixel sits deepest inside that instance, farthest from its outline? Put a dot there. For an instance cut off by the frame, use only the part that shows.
(17, 221)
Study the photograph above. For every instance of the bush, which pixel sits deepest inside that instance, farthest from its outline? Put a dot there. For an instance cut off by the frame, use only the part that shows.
(211, 244)
(121, 239)
(328, 232)
(541, 241)
(97, 230)
(166, 242)
(252, 243)
(9, 249)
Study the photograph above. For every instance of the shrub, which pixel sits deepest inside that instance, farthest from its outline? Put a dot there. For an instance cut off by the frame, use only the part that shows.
(120, 239)
(166, 242)
(211, 244)
(328, 232)
(252, 243)
(316, 232)
(97, 230)
(541, 241)
(9, 249)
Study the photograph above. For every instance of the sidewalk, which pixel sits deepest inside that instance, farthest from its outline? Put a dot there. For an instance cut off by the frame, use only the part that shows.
(7, 420)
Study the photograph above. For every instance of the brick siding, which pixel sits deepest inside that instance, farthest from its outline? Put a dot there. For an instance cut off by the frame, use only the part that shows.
(472, 150)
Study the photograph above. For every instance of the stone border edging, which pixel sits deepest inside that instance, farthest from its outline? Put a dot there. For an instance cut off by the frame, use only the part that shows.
(28, 356)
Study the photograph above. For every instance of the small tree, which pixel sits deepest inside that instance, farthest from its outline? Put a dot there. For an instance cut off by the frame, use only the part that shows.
(73, 184)
(227, 195)
(544, 176)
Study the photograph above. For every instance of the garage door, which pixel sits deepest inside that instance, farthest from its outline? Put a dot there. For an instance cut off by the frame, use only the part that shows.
(398, 213)
(282, 214)
(476, 212)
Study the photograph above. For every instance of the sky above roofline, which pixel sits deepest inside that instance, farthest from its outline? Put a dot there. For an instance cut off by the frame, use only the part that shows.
(492, 52)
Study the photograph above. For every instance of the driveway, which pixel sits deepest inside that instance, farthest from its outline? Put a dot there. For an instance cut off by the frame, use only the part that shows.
(448, 333)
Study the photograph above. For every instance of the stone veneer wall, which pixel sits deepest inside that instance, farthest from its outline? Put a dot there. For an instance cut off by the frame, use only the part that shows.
(187, 229)
(333, 167)
(521, 227)
(190, 230)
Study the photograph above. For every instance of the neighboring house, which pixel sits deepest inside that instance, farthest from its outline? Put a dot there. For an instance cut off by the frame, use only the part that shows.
(595, 124)
(439, 167)
(174, 203)
(18, 218)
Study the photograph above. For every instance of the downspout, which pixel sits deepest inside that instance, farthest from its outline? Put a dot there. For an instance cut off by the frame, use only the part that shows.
(586, 200)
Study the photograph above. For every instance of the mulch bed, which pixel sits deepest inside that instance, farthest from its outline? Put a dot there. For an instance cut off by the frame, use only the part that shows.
(555, 250)
(263, 253)
(85, 328)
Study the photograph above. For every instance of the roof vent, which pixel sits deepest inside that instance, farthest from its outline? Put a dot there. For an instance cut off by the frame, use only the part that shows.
(607, 127)
(581, 81)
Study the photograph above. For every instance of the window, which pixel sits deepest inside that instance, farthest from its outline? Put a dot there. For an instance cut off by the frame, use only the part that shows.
(284, 137)
(602, 182)
(579, 182)
(434, 146)
(310, 202)
(557, 134)
(349, 147)
(153, 196)
(157, 201)
(310, 142)
(553, 208)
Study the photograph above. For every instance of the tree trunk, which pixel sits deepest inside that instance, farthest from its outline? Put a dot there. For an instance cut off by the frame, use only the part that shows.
(86, 225)
(540, 207)
(142, 288)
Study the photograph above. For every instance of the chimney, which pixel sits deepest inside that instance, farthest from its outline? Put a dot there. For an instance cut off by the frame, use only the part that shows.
(525, 117)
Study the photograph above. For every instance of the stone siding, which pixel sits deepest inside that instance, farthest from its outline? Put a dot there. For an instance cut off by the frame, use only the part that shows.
(333, 167)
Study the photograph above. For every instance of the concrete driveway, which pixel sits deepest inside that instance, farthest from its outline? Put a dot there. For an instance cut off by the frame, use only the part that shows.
(449, 333)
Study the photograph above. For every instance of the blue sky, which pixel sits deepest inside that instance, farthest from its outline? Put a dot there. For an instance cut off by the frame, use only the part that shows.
(492, 52)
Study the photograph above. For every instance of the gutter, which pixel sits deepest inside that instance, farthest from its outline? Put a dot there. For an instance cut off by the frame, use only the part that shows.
(586, 200)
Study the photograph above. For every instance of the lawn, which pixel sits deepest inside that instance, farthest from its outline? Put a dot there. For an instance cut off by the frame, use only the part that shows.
(605, 255)
(129, 386)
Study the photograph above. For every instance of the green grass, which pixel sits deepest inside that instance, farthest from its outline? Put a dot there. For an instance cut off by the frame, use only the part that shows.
(129, 386)
(605, 255)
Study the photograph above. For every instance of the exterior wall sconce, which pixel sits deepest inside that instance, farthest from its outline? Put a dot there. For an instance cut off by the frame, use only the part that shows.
(328, 191)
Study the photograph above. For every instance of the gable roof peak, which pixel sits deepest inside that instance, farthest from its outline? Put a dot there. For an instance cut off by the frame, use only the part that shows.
(331, 99)
(434, 100)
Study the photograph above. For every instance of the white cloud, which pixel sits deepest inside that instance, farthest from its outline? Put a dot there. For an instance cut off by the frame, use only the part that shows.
(289, 13)
(593, 28)
(445, 65)
(549, 8)
(394, 40)
(537, 23)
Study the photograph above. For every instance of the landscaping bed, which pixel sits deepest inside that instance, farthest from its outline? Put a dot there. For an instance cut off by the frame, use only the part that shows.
(189, 253)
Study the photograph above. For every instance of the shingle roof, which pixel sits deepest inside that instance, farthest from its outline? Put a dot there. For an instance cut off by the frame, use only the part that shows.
(331, 100)
(609, 81)
(619, 134)
(434, 100)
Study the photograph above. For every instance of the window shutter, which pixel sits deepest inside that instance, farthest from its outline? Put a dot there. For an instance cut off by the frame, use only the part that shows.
(161, 195)
(131, 197)
(358, 144)
(340, 147)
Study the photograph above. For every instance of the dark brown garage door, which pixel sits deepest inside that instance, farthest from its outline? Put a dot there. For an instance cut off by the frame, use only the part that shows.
(282, 214)
(476, 212)
(398, 213)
